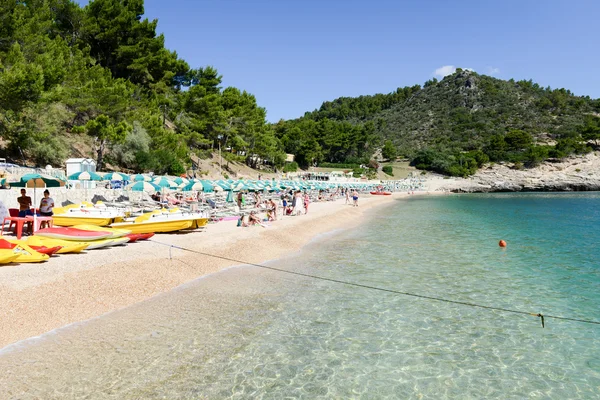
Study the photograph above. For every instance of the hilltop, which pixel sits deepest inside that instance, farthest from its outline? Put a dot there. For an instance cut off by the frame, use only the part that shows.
(452, 126)
(97, 81)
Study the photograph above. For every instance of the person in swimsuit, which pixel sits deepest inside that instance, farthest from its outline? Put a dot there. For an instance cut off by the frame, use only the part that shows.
(24, 204)
(355, 198)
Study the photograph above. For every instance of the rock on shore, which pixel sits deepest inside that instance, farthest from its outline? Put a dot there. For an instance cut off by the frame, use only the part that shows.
(581, 173)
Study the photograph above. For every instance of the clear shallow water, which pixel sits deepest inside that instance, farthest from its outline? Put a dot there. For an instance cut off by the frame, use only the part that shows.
(251, 333)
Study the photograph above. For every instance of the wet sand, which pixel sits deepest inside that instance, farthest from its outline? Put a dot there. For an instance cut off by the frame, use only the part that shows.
(37, 298)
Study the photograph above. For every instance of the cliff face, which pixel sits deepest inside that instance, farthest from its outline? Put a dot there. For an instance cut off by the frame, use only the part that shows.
(572, 174)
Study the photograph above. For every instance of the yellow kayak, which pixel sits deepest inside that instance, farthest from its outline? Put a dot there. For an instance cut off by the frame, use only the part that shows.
(115, 233)
(7, 256)
(67, 246)
(199, 223)
(26, 254)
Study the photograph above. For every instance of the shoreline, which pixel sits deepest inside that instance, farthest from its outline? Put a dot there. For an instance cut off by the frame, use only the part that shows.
(573, 174)
(41, 298)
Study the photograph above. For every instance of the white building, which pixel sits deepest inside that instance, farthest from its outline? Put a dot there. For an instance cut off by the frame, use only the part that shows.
(75, 165)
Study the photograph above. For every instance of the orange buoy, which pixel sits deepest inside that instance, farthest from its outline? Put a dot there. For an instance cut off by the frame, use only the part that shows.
(502, 243)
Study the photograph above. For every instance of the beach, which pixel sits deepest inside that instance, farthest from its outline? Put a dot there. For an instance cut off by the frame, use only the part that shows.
(38, 298)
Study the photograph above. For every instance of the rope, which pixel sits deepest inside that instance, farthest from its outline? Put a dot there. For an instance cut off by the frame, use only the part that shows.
(360, 285)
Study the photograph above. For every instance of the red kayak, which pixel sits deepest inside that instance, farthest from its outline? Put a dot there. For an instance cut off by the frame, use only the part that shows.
(72, 234)
(134, 237)
(5, 244)
(46, 250)
(381, 193)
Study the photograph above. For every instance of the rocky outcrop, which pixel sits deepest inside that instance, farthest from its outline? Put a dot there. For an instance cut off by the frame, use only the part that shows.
(580, 173)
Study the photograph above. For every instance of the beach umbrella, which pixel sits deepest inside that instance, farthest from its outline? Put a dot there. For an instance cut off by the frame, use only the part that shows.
(181, 181)
(115, 176)
(239, 186)
(85, 176)
(140, 178)
(164, 182)
(37, 181)
(203, 186)
(143, 187)
(224, 185)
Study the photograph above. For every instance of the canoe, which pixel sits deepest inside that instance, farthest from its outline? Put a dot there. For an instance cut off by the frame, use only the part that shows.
(7, 256)
(134, 237)
(72, 234)
(114, 232)
(66, 245)
(381, 193)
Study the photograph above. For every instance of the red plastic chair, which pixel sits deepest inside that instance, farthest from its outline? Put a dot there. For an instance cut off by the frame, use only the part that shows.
(13, 212)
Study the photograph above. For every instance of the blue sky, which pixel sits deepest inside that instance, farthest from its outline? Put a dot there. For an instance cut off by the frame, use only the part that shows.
(293, 55)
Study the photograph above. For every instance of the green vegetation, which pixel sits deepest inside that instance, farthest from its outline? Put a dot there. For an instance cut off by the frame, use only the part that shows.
(339, 165)
(290, 167)
(452, 126)
(387, 169)
(100, 76)
(99, 79)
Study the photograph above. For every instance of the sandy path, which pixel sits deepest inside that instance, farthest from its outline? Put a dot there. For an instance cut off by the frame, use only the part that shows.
(37, 298)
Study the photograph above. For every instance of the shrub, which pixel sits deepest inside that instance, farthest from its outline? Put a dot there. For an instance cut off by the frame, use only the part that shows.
(388, 170)
(338, 165)
(291, 167)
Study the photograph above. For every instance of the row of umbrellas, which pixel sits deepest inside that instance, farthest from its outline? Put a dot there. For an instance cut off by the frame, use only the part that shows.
(146, 183)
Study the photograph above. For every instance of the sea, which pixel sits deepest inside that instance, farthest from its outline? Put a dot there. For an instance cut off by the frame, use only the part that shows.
(418, 302)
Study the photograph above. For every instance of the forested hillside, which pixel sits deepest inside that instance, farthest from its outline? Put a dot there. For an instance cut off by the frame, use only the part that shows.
(100, 78)
(451, 126)
(99, 81)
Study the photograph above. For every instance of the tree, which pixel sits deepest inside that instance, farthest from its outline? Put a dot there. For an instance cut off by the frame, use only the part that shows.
(518, 140)
(590, 130)
(389, 150)
(104, 132)
(128, 46)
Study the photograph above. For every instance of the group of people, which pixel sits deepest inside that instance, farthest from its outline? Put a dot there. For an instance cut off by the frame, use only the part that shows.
(295, 203)
(354, 196)
(25, 204)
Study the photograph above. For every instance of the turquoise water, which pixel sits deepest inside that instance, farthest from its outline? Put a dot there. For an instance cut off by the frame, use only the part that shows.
(248, 333)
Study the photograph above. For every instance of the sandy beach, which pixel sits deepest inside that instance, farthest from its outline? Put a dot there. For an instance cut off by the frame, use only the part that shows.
(38, 298)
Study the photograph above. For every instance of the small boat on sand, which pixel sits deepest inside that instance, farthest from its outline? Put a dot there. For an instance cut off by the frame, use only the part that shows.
(66, 246)
(24, 253)
(163, 221)
(378, 193)
(86, 214)
(7, 256)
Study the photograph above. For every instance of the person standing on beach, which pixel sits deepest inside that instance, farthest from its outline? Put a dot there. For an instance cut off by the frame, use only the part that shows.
(306, 202)
(355, 198)
(24, 204)
(299, 203)
(240, 199)
(347, 196)
(46, 205)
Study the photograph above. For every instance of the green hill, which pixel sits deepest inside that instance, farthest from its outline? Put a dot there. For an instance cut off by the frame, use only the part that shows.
(450, 126)
(97, 81)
